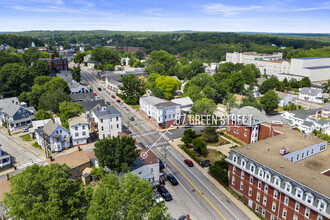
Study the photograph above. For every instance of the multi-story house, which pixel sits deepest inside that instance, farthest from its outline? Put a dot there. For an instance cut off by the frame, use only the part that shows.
(258, 125)
(161, 113)
(4, 158)
(79, 129)
(105, 121)
(326, 110)
(311, 95)
(113, 84)
(285, 99)
(15, 114)
(147, 166)
(186, 103)
(53, 136)
(76, 87)
(283, 177)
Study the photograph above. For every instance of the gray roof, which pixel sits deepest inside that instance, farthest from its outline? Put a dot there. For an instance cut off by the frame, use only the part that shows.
(326, 106)
(300, 113)
(115, 82)
(249, 110)
(88, 105)
(261, 80)
(307, 123)
(78, 97)
(8, 101)
(81, 119)
(105, 110)
(183, 101)
(153, 100)
(309, 91)
(311, 58)
(322, 121)
(50, 127)
(282, 95)
(317, 67)
(166, 104)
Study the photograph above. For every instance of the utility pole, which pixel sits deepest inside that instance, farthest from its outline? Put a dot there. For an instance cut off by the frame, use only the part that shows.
(45, 147)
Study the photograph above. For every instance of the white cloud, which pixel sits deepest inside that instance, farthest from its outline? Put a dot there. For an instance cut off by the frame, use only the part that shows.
(216, 8)
(159, 12)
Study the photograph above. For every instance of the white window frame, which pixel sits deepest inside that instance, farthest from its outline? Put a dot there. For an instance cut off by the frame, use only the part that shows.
(235, 158)
(242, 174)
(243, 163)
(311, 197)
(252, 166)
(250, 191)
(276, 178)
(272, 217)
(297, 207)
(274, 206)
(251, 179)
(266, 188)
(321, 201)
(288, 186)
(234, 169)
(241, 186)
(297, 193)
(264, 201)
(233, 181)
(269, 176)
(307, 212)
(258, 197)
(319, 217)
(259, 184)
(286, 200)
(295, 217)
(263, 212)
(284, 213)
(261, 172)
(275, 194)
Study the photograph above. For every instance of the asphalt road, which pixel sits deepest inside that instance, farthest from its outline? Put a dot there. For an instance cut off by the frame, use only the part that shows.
(201, 198)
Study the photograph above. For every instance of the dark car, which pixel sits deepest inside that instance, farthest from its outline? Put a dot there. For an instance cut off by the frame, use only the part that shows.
(189, 162)
(172, 179)
(188, 126)
(161, 164)
(108, 103)
(99, 89)
(183, 217)
(112, 96)
(164, 193)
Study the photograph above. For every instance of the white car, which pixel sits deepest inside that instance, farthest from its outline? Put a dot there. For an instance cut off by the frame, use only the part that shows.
(159, 199)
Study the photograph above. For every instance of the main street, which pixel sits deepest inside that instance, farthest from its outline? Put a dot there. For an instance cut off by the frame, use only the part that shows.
(207, 201)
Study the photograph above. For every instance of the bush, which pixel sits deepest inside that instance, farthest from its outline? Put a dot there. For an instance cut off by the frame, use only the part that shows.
(190, 153)
(219, 174)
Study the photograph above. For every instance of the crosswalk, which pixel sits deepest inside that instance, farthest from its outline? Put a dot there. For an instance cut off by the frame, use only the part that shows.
(163, 143)
(143, 134)
(39, 160)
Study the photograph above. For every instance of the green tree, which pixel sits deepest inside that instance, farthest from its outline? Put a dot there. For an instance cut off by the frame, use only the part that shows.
(203, 106)
(69, 110)
(269, 101)
(236, 82)
(168, 85)
(200, 145)
(305, 82)
(156, 91)
(40, 68)
(210, 134)
(151, 80)
(6, 57)
(106, 56)
(32, 54)
(79, 58)
(14, 79)
(75, 71)
(160, 62)
(196, 67)
(188, 136)
(132, 89)
(42, 114)
(126, 197)
(46, 192)
(117, 154)
(139, 55)
(270, 84)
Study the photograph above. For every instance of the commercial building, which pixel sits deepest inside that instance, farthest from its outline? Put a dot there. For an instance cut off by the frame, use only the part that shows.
(57, 62)
(283, 177)
(159, 112)
(273, 67)
(251, 57)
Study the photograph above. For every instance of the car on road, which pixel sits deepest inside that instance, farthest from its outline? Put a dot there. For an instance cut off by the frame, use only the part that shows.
(100, 89)
(118, 100)
(183, 217)
(131, 117)
(108, 103)
(189, 162)
(164, 193)
(172, 179)
(123, 105)
(112, 96)
(188, 126)
(158, 198)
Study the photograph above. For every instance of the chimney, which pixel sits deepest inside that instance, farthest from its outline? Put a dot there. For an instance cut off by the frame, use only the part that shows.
(53, 120)
(286, 91)
(52, 56)
(97, 108)
(51, 158)
(79, 148)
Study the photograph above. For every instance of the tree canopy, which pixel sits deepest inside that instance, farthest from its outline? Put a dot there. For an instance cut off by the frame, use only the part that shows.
(132, 89)
(269, 101)
(203, 106)
(168, 85)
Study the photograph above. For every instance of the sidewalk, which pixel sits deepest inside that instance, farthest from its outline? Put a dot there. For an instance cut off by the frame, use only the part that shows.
(238, 203)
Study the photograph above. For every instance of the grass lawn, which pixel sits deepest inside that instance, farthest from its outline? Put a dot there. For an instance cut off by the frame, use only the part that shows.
(135, 107)
(212, 155)
(26, 137)
(36, 145)
(6, 167)
(221, 141)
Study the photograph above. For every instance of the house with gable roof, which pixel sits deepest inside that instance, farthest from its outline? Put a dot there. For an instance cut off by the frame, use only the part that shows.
(311, 95)
(326, 110)
(53, 136)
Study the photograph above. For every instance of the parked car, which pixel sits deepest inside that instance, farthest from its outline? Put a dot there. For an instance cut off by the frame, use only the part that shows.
(112, 96)
(108, 103)
(161, 164)
(164, 193)
(158, 198)
(118, 100)
(123, 105)
(188, 126)
(25, 129)
(183, 217)
(172, 179)
(189, 162)
(131, 117)
(100, 89)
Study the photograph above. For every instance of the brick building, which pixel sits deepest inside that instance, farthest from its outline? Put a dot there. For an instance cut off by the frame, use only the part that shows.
(159, 112)
(57, 62)
(283, 177)
(258, 128)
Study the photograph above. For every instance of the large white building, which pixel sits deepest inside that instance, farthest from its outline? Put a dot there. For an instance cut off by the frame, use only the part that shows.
(251, 57)
(106, 121)
(79, 129)
(4, 158)
(273, 67)
(311, 95)
(161, 113)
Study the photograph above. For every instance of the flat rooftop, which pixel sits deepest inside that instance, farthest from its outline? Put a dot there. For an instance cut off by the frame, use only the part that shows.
(306, 172)
(311, 58)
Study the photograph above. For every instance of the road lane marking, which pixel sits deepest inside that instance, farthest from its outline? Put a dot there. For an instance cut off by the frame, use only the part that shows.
(109, 100)
(193, 185)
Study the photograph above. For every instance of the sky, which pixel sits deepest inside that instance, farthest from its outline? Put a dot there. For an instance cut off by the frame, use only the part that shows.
(287, 16)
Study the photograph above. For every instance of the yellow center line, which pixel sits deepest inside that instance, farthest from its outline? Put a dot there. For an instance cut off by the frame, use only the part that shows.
(109, 101)
(193, 185)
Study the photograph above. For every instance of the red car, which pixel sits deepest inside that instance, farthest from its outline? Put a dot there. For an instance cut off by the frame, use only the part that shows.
(112, 96)
(118, 100)
(189, 162)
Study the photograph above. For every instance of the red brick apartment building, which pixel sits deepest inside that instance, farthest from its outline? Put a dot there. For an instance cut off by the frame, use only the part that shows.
(57, 62)
(258, 128)
(283, 177)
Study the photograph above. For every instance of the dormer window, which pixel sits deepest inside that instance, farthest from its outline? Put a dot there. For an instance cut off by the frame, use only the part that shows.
(267, 176)
(299, 193)
(277, 181)
(309, 198)
(252, 168)
(235, 159)
(288, 187)
(243, 163)
(260, 172)
(322, 206)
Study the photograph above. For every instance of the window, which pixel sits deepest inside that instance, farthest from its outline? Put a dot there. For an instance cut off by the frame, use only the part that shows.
(251, 179)
(272, 217)
(101, 120)
(309, 198)
(264, 201)
(241, 186)
(322, 148)
(235, 159)
(56, 132)
(259, 185)
(234, 169)
(228, 129)
(298, 157)
(234, 130)
(245, 128)
(252, 168)
(61, 131)
(286, 200)
(233, 180)
(275, 194)
(307, 212)
(266, 188)
(274, 207)
(307, 153)
(312, 151)
(299, 193)
(322, 206)
(250, 191)
(242, 174)
(76, 128)
(237, 131)
(245, 134)
(288, 187)
(284, 213)
(263, 212)
(302, 155)
(257, 208)
(76, 134)
(117, 118)
(84, 133)
(243, 163)
(83, 127)
(277, 181)
(258, 197)
(103, 135)
(77, 168)
(319, 217)
(102, 128)
(260, 172)
(267, 176)
(117, 125)
(296, 207)
(295, 217)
